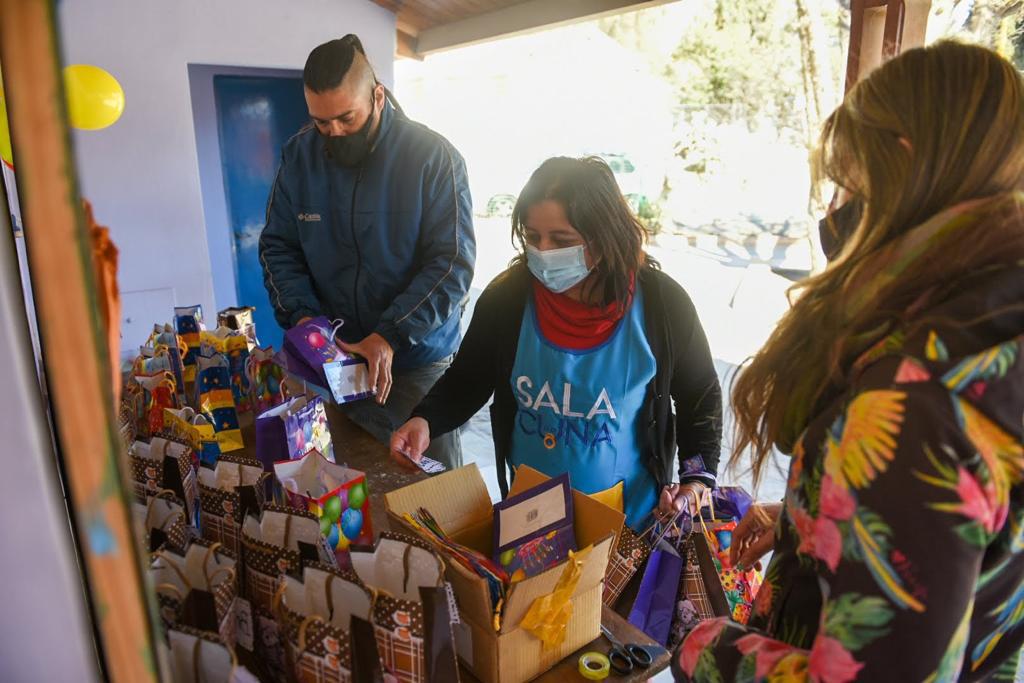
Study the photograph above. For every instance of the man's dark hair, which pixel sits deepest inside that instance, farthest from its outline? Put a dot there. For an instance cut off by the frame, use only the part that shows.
(328, 64)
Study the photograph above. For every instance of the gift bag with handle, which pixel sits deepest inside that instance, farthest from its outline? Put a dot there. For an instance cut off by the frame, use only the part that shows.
(162, 523)
(316, 615)
(159, 392)
(164, 464)
(740, 587)
(235, 347)
(653, 608)
(186, 426)
(412, 616)
(240, 319)
(266, 388)
(215, 399)
(631, 551)
(292, 429)
(188, 323)
(176, 349)
(229, 491)
(196, 656)
(336, 494)
(197, 589)
(281, 541)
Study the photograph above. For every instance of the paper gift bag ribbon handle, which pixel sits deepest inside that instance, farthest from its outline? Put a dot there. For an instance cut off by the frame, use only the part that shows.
(549, 615)
(329, 590)
(162, 493)
(302, 630)
(287, 530)
(197, 649)
(161, 555)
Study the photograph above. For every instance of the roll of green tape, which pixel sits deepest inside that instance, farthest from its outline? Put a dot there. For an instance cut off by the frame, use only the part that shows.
(594, 666)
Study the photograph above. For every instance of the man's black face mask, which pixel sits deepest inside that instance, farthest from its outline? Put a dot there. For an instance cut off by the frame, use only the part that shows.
(836, 229)
(350, 150)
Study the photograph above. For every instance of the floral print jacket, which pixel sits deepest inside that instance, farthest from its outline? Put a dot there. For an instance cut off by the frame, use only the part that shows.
(899, 554)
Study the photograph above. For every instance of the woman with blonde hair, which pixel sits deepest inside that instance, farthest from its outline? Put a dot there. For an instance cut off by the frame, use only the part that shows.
(897, 385)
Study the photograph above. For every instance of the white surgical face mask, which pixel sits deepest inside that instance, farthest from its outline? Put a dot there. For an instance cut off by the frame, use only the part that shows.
(558, 269)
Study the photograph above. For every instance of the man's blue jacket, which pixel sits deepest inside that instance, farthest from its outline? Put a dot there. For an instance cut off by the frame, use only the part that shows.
(388, 247)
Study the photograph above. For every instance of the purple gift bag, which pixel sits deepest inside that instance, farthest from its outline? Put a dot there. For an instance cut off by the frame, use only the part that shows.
(311, 354)
(655, 602)
(290, 430)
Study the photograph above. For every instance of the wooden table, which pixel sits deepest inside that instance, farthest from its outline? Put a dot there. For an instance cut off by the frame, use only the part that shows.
(357, 449)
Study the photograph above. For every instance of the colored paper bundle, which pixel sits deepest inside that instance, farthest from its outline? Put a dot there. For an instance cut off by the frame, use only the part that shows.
(476, 562)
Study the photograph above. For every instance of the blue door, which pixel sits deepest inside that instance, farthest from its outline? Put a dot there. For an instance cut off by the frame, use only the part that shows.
(256, 115)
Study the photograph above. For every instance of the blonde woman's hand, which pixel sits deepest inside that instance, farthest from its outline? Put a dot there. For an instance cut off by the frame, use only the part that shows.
(754, 536)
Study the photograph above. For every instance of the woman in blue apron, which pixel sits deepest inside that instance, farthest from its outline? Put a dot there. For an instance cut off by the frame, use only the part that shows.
(596, 360)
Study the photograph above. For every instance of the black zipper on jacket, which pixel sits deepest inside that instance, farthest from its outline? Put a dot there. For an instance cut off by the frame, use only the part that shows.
(359, 254)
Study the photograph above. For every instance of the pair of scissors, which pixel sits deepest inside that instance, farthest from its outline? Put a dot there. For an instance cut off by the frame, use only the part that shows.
(625, 658)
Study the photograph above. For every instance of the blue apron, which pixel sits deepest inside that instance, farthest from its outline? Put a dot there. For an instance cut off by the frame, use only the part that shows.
(579, 411)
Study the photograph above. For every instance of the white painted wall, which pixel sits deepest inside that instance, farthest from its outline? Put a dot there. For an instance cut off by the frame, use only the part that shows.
(141, 174)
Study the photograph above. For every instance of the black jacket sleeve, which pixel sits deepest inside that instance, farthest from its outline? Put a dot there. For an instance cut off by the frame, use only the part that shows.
(695, 391)
(469, 381)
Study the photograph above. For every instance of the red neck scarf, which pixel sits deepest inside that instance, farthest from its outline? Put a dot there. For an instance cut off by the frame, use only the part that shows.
(575, 325)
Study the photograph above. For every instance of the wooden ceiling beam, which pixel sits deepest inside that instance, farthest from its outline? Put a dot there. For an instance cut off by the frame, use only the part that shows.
(423, 29)
(523, 17)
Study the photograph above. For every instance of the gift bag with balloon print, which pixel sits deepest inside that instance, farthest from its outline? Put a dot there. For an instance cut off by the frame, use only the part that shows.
(291, 430)
(265, 380)
(412, 614)
(336, 494)
(196, 656)
(317, 615)
(197, 589)
(235, 347)
(228, 492)
(164, 464)
(188, 323)
(281, 541)
(162, 523)
(216, 401)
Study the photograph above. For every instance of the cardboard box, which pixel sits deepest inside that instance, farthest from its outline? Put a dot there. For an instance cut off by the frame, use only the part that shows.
(459, 502)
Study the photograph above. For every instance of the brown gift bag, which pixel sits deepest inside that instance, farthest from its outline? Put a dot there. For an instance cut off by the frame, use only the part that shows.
(200, 657)
(412, 610)
(317, 615)
(198, 589)
(228, 491)
(631, 551)
(281, 541)
(163, 464)
(162, 523)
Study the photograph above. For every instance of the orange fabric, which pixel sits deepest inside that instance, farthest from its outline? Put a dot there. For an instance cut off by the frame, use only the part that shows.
(104, 261)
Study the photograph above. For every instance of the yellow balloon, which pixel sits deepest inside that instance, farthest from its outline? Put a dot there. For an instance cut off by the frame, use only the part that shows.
(95, 98)
(5, 134)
